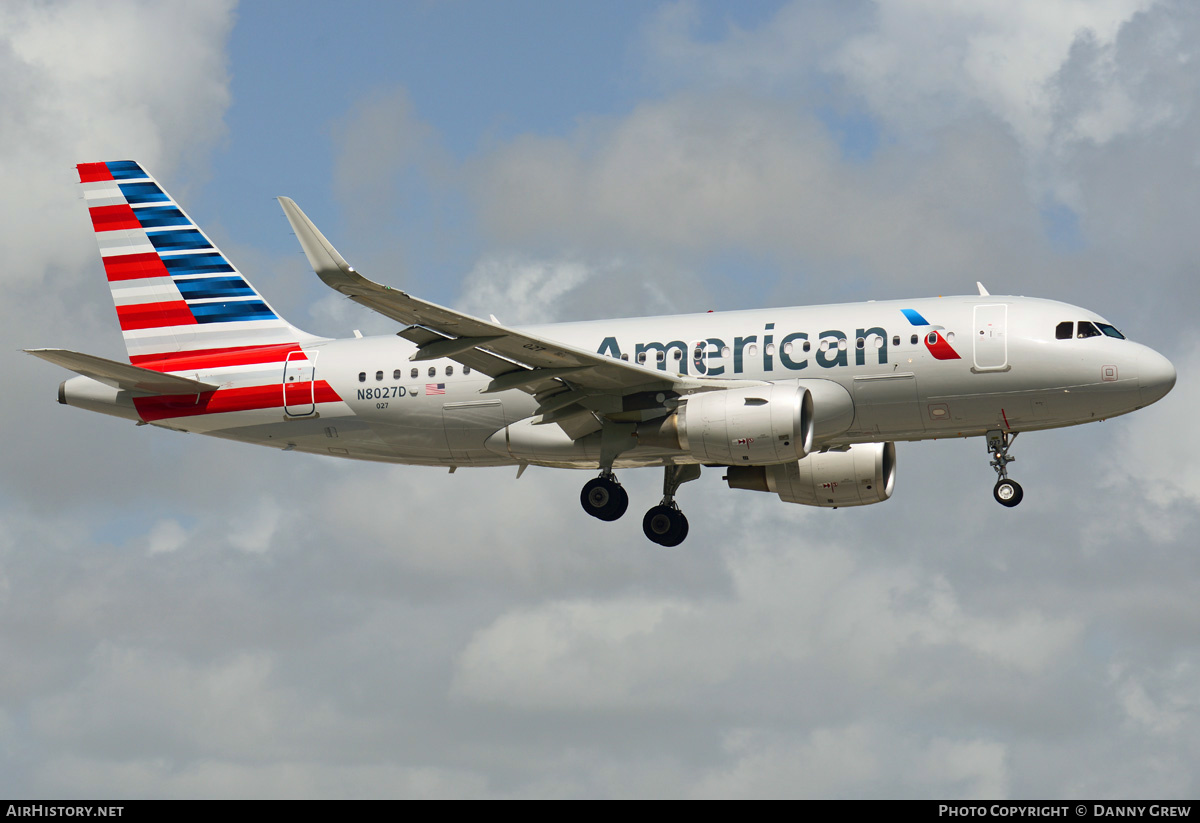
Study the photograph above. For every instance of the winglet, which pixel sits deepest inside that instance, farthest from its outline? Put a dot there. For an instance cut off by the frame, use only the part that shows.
(330, 266)
(982, 291)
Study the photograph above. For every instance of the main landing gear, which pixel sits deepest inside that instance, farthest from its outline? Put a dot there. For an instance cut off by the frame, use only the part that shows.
(605, 499)
(665, 523)
(1007, 492)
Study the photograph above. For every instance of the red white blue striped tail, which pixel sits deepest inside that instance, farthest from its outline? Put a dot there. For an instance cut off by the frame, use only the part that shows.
(178, 298)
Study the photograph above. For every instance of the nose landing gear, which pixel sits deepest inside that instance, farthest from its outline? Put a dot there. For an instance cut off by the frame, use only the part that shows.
(604, 498)
(1007, 492)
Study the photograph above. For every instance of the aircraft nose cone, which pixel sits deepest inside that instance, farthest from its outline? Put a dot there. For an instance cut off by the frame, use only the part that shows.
(1156, 376)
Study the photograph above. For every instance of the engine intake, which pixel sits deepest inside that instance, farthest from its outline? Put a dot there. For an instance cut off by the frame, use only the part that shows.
(863, 474)
(753, 426)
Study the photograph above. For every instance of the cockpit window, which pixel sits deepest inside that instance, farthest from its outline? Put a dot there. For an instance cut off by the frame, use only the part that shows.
(1064, 330)
(1111, 331)
(1087, 329)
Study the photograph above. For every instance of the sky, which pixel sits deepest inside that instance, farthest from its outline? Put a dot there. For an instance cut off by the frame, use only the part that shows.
(186, 617)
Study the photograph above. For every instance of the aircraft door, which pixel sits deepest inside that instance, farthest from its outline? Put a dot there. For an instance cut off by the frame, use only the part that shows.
(299, 382)
(991, 337)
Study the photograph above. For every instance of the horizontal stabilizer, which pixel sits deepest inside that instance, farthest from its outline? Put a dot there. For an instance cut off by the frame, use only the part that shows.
(122, 375)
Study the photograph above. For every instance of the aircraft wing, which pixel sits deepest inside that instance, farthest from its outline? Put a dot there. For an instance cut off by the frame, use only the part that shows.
(512, 358)
(122, 375)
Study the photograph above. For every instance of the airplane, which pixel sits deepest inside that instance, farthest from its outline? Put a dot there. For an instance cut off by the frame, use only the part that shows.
(806, 403)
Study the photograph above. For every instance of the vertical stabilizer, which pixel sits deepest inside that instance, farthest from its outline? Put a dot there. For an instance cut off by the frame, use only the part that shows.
(177, 296)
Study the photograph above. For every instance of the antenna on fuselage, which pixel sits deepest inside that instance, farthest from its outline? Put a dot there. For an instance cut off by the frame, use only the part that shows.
(982, 291)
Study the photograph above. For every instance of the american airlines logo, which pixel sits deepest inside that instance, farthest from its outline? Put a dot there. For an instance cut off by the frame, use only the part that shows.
(829, 349)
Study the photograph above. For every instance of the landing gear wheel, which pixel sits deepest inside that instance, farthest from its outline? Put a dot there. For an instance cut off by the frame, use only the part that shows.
(664, 525)
(604, 499)
(1008, 492)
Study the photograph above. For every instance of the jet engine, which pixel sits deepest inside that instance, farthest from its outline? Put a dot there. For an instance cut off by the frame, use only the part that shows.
(750, 426)
(862, 474)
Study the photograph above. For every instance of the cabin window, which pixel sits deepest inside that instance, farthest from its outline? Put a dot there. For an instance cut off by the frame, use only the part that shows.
(770, 349)
(678, 354)
(878, 342)
(787, 348)
(661, 357)
(841, 343)
(642, 357)
(1063, 331)
(1086, 329)
(726, 351)
(362, 377)
(895, 340)
(807, 346)
(1111, 331)
(913, 341)
(433, 371)
(449, 371)
(625, 356)
(860, 343)
(396, 374)
(932, 338)
(413, 374)
(466, 369)
(752, 350)
(379, 375)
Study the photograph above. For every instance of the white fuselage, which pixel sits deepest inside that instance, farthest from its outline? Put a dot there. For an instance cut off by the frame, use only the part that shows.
(993, 363)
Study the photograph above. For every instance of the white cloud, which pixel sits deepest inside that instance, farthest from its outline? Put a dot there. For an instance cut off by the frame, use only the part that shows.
(1154, 461)
(166, 536)
(917, 64)
(811, 608)
(256, 533)
(695, 176)
(380, 139)
(863, 759)
(938, 59)
(78, 90)
(521, 291)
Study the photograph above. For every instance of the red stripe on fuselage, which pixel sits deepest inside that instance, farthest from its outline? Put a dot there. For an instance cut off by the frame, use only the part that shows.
(222, 401)
(111, 218)
(92, 172)
(204, 359)
(154, 315)
(134, 267)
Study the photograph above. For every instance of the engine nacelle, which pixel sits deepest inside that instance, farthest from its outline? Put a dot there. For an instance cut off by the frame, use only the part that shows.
(833, 409)
(754, 426)
(859, 476)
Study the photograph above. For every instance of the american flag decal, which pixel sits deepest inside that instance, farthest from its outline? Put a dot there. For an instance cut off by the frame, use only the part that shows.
(435, 388)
